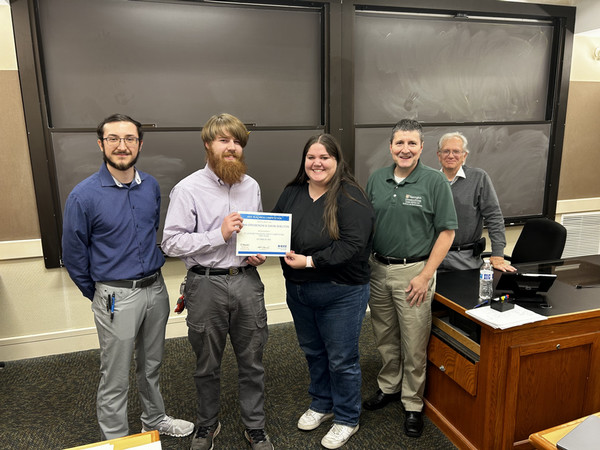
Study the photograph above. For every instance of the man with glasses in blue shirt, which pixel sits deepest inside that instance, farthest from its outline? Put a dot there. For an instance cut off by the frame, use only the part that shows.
(110, 251)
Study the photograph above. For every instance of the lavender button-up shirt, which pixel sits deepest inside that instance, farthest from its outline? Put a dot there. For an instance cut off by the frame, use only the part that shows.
(198, 205)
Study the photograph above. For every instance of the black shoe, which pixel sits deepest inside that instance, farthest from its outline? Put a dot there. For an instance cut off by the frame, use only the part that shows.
(379, 400)
(413, 423)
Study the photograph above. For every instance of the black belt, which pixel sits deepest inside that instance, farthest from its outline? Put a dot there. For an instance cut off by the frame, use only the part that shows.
(201, 270)
(133, 284)
(458, 248)
(389, 260)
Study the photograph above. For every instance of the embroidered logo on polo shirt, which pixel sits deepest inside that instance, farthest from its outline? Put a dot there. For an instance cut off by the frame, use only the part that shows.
(413, 200)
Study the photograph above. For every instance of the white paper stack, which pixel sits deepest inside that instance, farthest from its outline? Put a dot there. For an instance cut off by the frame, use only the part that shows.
(506, 319)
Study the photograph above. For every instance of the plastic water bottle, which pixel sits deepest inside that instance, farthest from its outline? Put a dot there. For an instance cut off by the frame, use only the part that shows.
(486, 281)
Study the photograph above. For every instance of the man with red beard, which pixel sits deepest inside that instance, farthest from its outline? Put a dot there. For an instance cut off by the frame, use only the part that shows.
(109, 249)
(223, 292)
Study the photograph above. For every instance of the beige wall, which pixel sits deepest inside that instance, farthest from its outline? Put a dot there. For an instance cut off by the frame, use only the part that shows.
(579, 173)
(19, 210)
(44, 313)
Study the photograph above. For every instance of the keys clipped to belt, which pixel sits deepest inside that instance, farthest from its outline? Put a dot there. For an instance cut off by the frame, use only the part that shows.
(110, 305)
(180, 306)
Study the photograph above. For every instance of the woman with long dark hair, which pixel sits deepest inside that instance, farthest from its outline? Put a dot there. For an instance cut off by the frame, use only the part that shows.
(327, 282)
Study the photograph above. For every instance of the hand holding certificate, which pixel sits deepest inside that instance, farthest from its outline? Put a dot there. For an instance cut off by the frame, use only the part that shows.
(264, 233)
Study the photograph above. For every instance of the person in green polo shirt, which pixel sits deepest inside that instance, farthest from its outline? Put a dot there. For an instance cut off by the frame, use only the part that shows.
(414, 228)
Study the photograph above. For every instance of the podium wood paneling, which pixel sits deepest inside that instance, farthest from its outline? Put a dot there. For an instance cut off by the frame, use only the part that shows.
(529, 378)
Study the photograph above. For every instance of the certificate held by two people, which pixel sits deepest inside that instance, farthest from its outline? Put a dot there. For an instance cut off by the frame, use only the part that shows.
(264, 233)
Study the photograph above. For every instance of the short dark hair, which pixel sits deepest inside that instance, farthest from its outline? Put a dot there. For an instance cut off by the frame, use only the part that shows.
(119, 118)
(407, 125)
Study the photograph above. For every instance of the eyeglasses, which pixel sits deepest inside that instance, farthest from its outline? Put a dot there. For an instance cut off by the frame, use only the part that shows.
(113, 141)
(454, 152)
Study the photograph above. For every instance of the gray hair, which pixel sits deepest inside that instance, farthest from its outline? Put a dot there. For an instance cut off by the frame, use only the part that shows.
(454, 134)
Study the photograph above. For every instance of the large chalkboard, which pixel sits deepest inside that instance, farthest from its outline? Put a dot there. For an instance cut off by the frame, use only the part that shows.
(175, 64)
(487, 77)
(450, 69)
(497, 71)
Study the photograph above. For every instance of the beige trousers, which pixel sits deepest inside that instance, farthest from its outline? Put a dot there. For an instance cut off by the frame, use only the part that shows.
(401, 331)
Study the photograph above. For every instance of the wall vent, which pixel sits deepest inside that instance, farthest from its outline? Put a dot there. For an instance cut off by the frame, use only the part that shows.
(583, 234)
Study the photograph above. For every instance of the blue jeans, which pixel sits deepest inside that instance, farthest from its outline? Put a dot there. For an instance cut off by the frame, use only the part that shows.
(328, 319)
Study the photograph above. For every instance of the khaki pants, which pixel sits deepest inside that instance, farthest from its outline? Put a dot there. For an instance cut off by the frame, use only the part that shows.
(401, 331)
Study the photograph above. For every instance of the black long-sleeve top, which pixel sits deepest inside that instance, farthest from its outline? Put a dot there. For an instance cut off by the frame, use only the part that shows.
(345, 260)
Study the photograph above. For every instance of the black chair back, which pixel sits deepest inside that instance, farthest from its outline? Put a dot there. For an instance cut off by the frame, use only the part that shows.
(541, 240)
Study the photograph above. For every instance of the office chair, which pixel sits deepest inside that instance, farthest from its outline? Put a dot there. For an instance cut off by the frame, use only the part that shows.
(540, 240)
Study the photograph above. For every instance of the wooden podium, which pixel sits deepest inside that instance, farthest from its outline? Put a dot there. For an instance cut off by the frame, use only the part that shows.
(126, 442)
(491, 388)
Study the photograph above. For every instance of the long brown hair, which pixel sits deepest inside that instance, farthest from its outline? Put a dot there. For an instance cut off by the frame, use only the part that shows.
(340, 179)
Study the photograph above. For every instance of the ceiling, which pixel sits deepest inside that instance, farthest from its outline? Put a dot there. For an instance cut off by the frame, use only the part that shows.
(587, 20)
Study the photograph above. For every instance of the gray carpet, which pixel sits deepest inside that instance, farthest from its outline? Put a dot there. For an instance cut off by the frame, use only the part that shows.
(49, 402)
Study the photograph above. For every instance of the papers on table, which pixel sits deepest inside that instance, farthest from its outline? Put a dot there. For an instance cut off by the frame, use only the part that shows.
(506, 319)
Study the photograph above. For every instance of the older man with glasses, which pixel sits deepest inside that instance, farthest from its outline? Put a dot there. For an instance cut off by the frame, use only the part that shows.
(476, 204)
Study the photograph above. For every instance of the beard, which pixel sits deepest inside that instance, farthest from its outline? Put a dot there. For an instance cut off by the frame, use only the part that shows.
(120, 166)
(230, 172)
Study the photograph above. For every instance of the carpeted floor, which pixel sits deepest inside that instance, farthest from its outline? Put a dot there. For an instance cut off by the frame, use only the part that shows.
(49, 403)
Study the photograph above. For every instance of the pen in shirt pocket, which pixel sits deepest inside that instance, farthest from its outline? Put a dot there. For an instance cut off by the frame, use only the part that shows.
(112, 307)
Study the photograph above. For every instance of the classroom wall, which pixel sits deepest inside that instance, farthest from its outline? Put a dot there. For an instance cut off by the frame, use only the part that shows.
(44, 313)
(17, 198)
(578, 178)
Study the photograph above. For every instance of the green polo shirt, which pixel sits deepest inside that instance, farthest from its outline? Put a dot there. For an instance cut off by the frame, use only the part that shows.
(410, 215)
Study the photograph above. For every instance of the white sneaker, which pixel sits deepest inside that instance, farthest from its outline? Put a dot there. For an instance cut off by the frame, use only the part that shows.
(312, 419)
(172, 427)
(338, 435)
